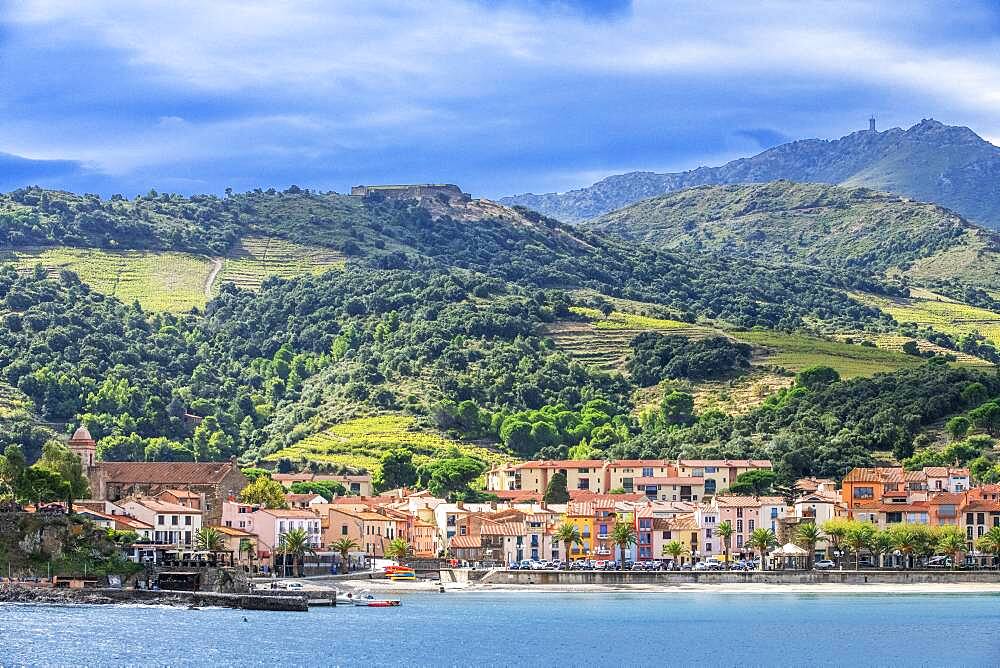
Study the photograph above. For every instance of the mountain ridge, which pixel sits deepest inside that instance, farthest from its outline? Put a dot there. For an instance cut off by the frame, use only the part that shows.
(930, 161)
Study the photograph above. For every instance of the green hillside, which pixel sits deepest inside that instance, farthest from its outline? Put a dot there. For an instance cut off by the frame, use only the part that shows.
(814, 224)
(470, 327)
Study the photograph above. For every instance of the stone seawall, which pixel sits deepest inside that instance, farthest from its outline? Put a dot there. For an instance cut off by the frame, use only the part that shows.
(286, 603)
(709, 577)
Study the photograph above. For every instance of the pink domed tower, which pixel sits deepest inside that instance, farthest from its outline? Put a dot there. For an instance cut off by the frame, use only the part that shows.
(82, 445)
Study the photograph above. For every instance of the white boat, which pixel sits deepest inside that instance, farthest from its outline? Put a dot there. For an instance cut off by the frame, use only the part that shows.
(366, 600)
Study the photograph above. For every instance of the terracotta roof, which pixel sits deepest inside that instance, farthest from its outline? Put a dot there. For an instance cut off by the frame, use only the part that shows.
(466, 542)
(504, 529)
(166, 473)
(587, 495)
(899, 494)
(639, 463)
(662, 524)
(559, 464)
(685, 522)
(156, 505)
(81, 434)
(302, 498)
(181, 493)
(947, 498)
(982, 506)
(129, 522)
(916, 506)
(361, 515)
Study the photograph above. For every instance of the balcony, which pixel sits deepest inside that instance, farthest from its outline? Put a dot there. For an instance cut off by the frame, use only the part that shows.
(602, 536)
(602, 550)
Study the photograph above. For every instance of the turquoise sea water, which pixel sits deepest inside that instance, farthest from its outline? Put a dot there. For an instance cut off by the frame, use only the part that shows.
(524, 629)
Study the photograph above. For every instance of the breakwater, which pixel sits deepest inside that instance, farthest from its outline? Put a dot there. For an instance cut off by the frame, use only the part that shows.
(21, 594)
(501, 577)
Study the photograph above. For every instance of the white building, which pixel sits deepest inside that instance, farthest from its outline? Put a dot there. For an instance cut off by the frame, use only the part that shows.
(173, 524)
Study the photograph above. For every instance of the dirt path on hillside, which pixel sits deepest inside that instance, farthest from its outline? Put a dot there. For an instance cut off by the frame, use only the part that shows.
(210, 281)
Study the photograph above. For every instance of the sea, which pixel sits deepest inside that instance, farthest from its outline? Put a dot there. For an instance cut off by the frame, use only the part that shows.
(524, 629)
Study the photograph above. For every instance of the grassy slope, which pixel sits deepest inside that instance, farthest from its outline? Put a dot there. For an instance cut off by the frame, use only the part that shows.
(816, 224)
(943, 314)
(358, 443)
(172, 281)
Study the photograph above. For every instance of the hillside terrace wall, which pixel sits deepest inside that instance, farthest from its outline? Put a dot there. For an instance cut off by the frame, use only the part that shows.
(766, 577)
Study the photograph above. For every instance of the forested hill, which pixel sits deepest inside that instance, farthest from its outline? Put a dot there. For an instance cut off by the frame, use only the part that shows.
(818, 225)
(931, 162)
(441, 339)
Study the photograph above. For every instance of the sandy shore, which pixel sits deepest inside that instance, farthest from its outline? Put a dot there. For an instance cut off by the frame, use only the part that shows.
(387, 587)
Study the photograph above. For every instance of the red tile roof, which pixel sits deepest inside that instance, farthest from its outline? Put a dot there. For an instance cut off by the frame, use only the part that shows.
(466, 542)
(733, 501)
(166, 473)
(670, 480)
(726, 463)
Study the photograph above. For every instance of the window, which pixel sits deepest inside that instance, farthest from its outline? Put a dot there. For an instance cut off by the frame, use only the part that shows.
(708, 533)
(666, 535)
(980, 530)
(774, 512)
(603, 529)
(709, 519)
(710, 486)
(627, 484)
(739, 542)
(187, 520)
(646, 523)
(893, 518)
(647, 472)
(710, 469)
(864, 492)
(969, 518)
(160, 519)
(739, 512)
(980, 518)
(174, 520)
(968, 532)
(937, 484)
(739, 526)
(343, 529)
(750, 525)
(584, 483)
(461, 531)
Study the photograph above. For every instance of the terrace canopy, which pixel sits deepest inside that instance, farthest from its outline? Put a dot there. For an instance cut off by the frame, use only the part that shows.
(789, 555)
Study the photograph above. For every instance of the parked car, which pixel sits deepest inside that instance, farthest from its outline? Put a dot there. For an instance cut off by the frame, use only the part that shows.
(627, 565)
(824, 565)
(514, 566)
(700, 566)
(612, 565)
(686, 567)
(939, 562)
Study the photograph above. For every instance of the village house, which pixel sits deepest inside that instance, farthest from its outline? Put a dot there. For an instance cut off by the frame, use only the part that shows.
(270, 524)
(717, 474)
(173, 524)
(358, 484)
(306, 501)
(371, 531)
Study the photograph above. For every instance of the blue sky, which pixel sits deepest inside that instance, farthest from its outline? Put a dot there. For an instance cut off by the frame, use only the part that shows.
(501, 96)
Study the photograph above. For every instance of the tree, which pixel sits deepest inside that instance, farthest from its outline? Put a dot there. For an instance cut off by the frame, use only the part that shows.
(951, 541)
(807, 535)
(957, 427)
(398, 549)
(857, 538)
(762, 539)
(725, 532)
(397, 470)
(295, 543)
(623, 535)
(673, 549)
(816, 377)
(264, 492)
(325, 488)
(905, 539)
(835, 530)
(39, 485)
(448, 478)
(880, 545)
(756, 482)
(569, 535)
(987, 417)
(677, 408)
(209, 539)
(989, 542)
(343, 546)
(57, 458)
(555, 491)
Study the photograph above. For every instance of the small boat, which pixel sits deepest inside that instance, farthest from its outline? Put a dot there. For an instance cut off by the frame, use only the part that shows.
(369, 601)
(396, 570)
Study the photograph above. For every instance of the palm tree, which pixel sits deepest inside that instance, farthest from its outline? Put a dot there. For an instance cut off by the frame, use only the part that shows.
(296, 544)
(725, 531)
(344, 547)
(857, 537)
(807, 535)
(990, 542)
(624, 537)
(951, 541)
(247, 545)
(397, 549)
(569, 534)
(835, 530)
(762, 539)
(209, 540)
(674, 549)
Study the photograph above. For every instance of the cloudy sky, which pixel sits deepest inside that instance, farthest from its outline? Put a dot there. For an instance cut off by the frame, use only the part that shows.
(501, 96)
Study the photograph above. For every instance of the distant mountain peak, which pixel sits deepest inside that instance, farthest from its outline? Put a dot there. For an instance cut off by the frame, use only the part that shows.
(930, 161)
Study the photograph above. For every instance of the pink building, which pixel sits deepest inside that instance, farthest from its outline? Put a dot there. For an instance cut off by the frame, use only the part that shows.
(269, 525)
